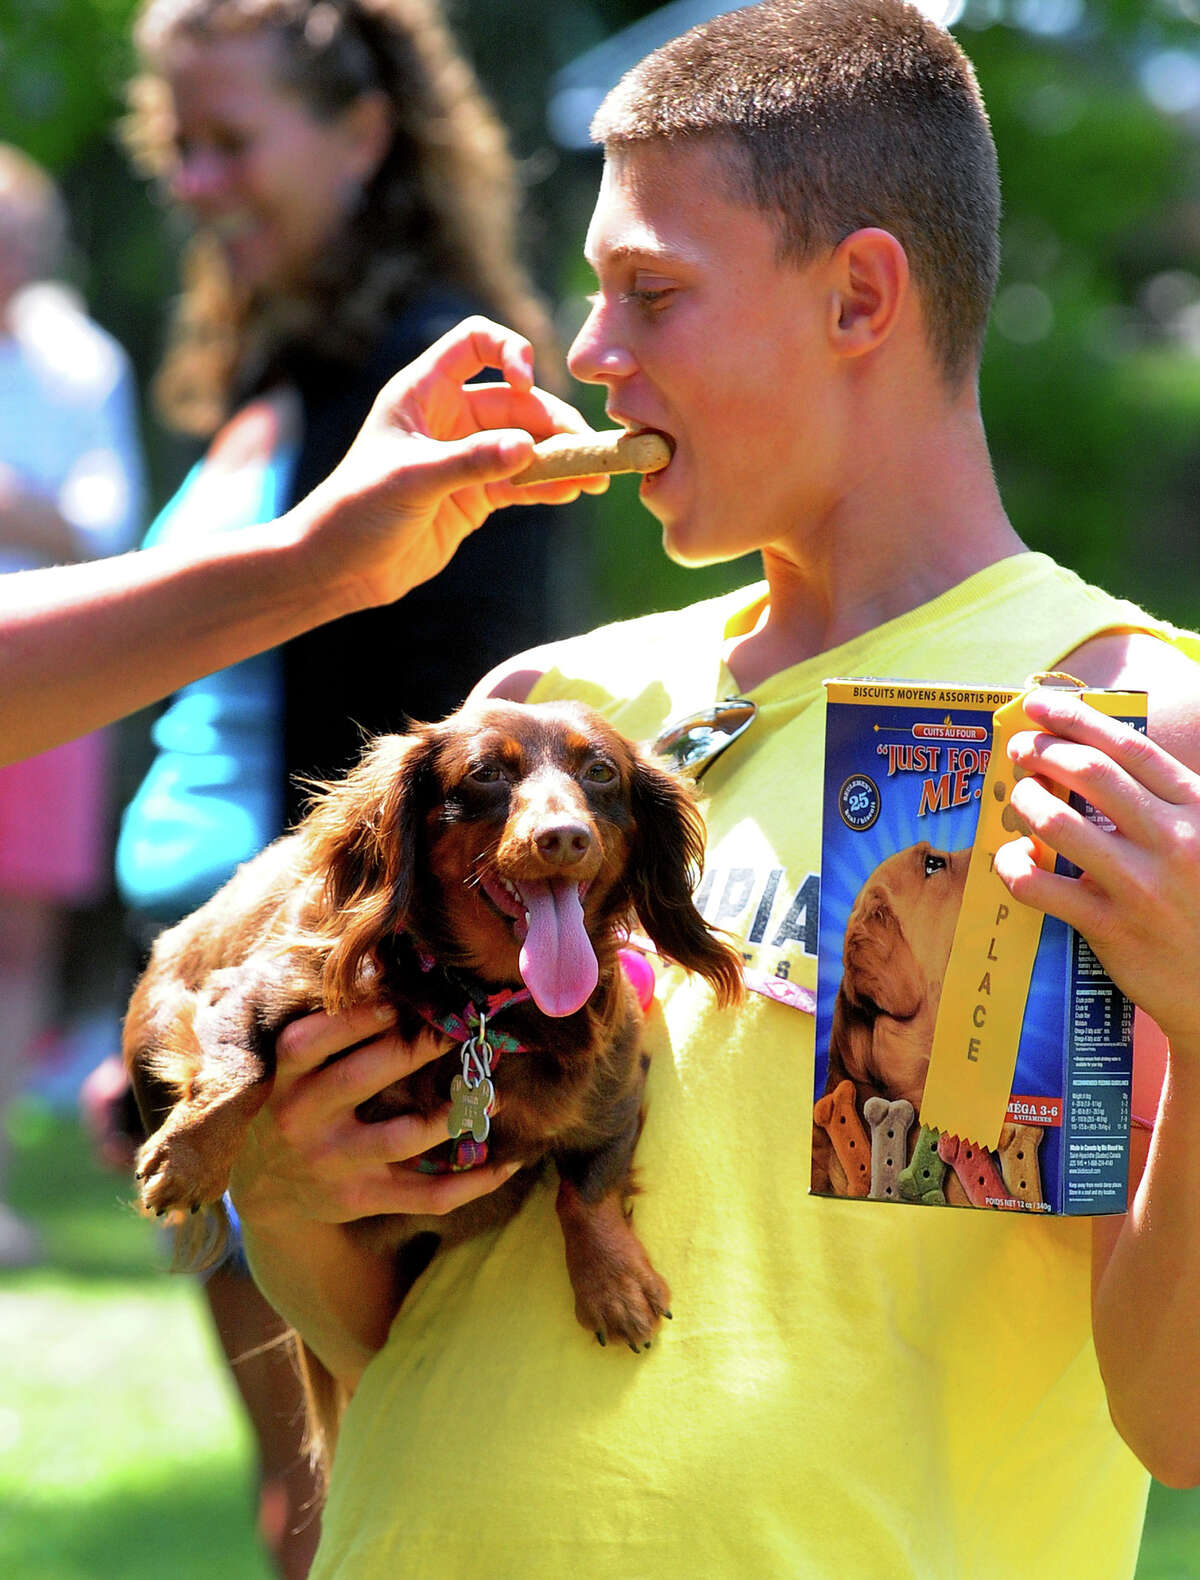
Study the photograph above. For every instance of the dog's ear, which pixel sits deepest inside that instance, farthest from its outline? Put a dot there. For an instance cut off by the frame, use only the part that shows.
(364, 831)
(664, 868)
(894, 981)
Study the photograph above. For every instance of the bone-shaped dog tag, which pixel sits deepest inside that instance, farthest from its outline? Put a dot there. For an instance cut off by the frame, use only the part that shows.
(469, 1107)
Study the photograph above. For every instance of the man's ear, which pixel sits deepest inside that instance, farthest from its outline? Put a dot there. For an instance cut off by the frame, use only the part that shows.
(871, 285)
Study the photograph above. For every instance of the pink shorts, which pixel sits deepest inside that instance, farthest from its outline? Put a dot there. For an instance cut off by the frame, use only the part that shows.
(54, 833)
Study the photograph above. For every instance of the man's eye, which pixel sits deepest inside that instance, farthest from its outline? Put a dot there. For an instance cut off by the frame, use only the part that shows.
(934, 864)
(600, 772)
(649, 299)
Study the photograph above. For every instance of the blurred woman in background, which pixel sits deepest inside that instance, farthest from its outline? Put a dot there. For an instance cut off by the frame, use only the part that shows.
(352, 197)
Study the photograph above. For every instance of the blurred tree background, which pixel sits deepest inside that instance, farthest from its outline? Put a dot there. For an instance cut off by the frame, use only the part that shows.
(1091, 383)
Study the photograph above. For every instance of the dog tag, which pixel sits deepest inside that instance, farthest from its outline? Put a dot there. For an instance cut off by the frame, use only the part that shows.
(469, 1105)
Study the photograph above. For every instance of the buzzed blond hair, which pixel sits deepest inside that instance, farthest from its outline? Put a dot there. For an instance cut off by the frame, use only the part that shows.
(834, 115)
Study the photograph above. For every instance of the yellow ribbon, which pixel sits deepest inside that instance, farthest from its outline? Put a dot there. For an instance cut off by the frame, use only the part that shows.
(982, 1006)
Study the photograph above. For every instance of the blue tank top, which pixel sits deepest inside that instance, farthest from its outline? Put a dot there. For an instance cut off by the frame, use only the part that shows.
(214, 794)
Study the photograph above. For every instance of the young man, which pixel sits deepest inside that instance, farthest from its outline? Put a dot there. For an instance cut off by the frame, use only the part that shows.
(795, 250)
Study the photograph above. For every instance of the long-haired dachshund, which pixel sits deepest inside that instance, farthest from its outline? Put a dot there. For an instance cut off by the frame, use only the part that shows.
(479, 873)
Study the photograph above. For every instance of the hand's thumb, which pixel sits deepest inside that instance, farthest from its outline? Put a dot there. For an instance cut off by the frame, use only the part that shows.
(485, 457)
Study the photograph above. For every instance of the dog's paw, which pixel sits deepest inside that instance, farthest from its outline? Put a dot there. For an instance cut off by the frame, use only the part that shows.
(172, 1178)
(623, 1300)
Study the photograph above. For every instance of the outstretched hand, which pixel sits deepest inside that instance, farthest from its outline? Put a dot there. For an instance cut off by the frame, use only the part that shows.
(1138, 899)
(432, 460)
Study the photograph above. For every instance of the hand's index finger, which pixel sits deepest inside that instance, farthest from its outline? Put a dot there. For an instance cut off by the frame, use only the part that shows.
(1065, 715)
(475, 344)
(304, 1045)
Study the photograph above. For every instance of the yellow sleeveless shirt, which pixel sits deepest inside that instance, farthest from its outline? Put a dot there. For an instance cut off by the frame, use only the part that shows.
(848, 1389)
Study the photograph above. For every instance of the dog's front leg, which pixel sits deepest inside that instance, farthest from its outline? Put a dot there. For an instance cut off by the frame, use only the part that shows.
(618, 1293)
(214, 1054)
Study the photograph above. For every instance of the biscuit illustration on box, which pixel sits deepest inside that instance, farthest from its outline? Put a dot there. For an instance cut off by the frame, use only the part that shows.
(890, 1124)
(849, 1171)
(1018, 1155)
(977, 1173)
(921, 1180)
(937, 990)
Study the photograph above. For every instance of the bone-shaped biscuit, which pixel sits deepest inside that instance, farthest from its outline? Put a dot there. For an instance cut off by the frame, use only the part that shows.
(1018, 1155)
(921, 1180)
(586, 454)
(837, 1114)
(977, 1174)
(890, 1123)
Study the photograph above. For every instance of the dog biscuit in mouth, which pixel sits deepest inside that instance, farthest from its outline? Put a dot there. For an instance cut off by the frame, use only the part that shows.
(566, 455)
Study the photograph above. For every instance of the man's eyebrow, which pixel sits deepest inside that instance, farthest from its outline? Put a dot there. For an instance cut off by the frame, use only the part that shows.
(624, 252)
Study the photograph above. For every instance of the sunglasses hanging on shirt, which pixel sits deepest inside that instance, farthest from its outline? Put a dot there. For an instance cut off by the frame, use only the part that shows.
(692, 745)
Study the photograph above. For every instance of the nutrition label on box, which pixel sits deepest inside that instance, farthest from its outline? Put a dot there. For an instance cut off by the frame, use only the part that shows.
(1102, 1015)
(1096, 1110)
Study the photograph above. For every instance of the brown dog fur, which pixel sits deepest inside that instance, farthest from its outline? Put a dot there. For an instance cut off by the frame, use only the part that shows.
(407, 857)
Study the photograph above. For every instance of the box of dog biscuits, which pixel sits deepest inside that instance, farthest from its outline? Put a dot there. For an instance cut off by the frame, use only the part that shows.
(970, 1052)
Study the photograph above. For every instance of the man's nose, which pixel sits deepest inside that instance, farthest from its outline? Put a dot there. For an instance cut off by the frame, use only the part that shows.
(598, 355)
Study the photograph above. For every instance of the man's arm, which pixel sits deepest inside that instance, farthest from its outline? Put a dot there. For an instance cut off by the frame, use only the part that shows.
(81, 645)
(1138, 904)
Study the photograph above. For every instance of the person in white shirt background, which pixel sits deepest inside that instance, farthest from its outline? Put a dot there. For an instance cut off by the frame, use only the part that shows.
(71, 489)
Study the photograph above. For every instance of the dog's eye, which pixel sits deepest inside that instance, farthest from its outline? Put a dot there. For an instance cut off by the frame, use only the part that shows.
(934, 864)
(600, 772)
(486, 773)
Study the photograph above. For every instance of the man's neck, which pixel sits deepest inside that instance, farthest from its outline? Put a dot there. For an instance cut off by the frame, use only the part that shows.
(916, 524)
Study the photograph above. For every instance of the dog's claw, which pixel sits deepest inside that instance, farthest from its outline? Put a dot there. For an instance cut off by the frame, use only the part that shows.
(600, 1339)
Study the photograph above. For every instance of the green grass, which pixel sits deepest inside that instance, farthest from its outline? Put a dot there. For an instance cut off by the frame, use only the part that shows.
(122, 1452)
(123, 1455)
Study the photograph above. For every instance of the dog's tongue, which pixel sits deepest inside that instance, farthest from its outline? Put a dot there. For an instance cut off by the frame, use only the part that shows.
(558, 963)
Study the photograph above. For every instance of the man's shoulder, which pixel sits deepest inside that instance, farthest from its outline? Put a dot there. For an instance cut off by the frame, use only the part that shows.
(623, 655)
(1165, 664)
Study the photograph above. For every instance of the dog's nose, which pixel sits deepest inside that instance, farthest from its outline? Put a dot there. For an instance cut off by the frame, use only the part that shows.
(564, 843)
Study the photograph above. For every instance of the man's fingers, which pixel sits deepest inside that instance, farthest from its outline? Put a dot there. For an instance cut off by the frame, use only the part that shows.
(1064, 715)
(365, 1071)
(398, 1140)
(305, 1044)
(1071, 900)
(1096, 848)
(411, 1192)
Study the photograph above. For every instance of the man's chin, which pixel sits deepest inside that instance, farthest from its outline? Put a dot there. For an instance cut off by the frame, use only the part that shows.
(683, 537)
(690, 555)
